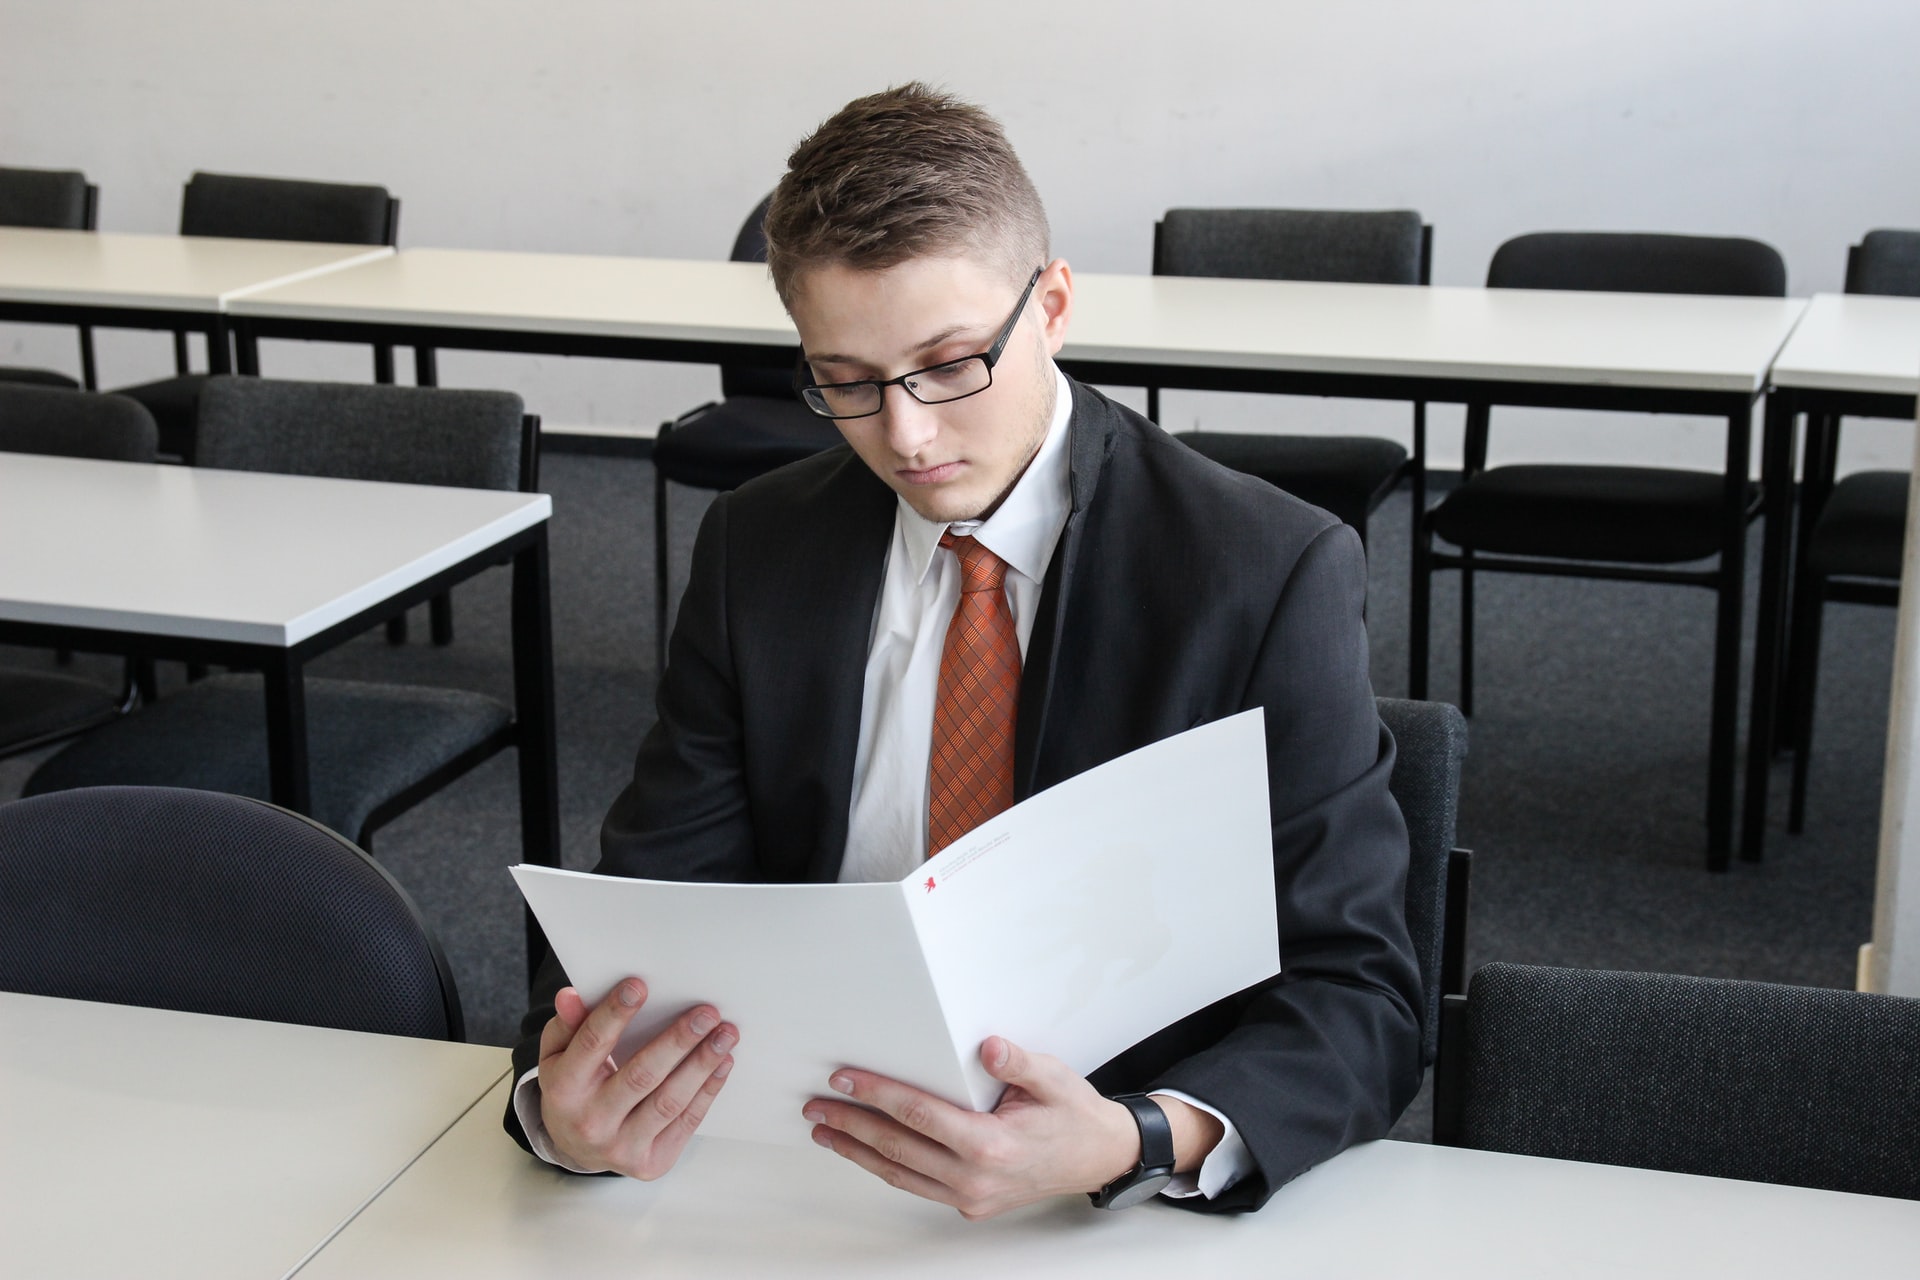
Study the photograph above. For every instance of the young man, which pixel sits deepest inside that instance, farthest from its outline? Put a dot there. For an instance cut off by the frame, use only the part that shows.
(1004, 581)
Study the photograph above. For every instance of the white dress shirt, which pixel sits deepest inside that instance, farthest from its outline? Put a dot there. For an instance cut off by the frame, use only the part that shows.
(887, 827)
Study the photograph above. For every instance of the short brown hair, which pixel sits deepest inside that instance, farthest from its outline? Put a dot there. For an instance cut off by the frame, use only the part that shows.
(908, 173)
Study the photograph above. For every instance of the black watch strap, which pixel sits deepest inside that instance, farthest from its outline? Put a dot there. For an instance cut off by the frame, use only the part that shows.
(1155, 1170)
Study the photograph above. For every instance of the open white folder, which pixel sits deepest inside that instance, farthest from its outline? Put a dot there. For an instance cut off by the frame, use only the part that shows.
(1077, 923)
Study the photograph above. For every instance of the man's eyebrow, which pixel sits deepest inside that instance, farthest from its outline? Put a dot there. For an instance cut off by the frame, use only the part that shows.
(945, 335)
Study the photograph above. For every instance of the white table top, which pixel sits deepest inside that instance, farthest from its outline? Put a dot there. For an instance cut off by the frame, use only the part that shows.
(173, 273)
(1661, 341)
(227, 555)
(544, 293)
(475, 1206)
(139, 1142)
(1854, 342)
(1585, 339)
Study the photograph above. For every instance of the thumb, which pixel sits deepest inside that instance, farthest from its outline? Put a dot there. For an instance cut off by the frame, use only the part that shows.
(1008, 1063)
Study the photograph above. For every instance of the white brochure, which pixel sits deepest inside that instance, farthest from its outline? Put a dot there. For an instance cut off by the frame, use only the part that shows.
(1077, 923)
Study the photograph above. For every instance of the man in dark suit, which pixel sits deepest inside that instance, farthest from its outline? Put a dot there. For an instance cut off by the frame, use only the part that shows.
(1005, 581)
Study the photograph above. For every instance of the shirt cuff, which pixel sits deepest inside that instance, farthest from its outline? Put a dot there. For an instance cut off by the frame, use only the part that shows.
(1226, 1164)
(526, 1106)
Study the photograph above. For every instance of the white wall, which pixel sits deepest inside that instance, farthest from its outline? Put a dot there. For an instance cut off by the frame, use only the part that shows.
(650, 128)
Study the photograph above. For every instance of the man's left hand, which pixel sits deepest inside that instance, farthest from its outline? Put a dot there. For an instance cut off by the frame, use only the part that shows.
(1052, 1134)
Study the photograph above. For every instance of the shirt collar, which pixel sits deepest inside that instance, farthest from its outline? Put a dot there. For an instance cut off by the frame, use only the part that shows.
(1024, 528)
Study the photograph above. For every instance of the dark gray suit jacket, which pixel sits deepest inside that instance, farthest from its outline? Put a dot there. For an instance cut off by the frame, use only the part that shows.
(1179, 593)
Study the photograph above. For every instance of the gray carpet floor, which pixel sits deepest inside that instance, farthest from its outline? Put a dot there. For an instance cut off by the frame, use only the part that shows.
(1583, 798)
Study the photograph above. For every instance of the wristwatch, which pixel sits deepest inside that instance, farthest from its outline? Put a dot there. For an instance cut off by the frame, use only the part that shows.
(1155, 1170)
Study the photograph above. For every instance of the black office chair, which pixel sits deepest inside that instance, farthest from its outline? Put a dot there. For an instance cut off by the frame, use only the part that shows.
(375, 750)
(174, 899)
(42, 707)
(217, 204)
(1852, 531)
(1431, 738)
(57, 199)
(757, 426)
(1349, 476)
(1621, 523)
(1751, 1080)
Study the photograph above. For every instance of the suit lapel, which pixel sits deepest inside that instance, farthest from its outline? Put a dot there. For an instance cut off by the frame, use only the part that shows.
(1090, 441)
(854, 528)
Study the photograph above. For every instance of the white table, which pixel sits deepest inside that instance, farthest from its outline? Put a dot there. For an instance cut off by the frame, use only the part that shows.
(1638, 352)
(1850, 355)
(266, 571)
(476, 1206)
(140, 1142)
(152, 282)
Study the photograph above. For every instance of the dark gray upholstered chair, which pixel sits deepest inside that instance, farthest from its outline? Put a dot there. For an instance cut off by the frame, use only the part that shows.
(1799, 1085)
(241, 208)
(174, 899)
(40, 707)
(61, 200)
(1431, 738)
(375, 750)
(1852, 532)
(1632, 523)
(1347, 475)
(758, 424)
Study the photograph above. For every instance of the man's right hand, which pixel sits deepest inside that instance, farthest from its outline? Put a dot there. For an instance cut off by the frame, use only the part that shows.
(634, 1118)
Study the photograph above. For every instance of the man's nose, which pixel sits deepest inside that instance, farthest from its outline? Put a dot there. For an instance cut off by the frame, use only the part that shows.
(910, 425)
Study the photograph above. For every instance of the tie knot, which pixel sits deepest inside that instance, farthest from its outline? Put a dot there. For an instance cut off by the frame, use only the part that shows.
(980, 569)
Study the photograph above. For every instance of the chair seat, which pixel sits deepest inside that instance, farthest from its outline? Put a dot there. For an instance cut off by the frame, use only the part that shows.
(175, 405)
(38, 377)
(39, 705)
(739, 438)
(1863, 528)
(366, 743)
(1347, 475)
(1639, 515)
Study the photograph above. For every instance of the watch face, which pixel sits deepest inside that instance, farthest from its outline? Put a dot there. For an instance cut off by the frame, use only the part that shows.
(1145, 1189)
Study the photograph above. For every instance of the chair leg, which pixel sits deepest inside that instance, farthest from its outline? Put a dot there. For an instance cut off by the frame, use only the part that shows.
(440, 619)
(1466, 631)
(659, 573)
(1803, 671)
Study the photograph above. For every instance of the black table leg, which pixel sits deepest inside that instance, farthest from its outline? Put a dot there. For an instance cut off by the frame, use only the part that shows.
(1723, 748)
(533, 713)
(287, 735)
(1776, 479)
(246, 347)
(219, 347)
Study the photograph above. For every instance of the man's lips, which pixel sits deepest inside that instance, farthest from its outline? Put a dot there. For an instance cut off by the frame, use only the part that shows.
(931, 475)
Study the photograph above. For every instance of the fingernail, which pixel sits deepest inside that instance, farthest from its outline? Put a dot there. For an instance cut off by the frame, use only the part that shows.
(814, 1114)
(723, 1041)
(842, 1084)
(703, 1023)
(820, 1137)
(720, 1072)
(629, 994)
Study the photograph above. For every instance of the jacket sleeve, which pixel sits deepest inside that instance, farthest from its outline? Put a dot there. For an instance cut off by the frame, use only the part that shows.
(1327, 1054)
(684, 815)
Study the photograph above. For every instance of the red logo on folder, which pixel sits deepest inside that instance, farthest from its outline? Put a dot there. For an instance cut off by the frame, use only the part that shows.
(929, 884)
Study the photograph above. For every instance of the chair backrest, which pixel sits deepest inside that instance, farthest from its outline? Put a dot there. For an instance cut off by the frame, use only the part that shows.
(1750, 1080)
(220, 204)
(753, 379)
(1350, 246)
(1430, 740)
(1636, 262)
(61, 199)
(1885, 262)
(353, 431)
(75, 424)
(212, 903)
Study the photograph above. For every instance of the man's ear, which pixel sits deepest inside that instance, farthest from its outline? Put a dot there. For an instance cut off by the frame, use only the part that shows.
(1054, 293)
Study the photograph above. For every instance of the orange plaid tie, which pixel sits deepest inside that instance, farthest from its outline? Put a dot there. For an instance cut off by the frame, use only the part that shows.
(970, 778)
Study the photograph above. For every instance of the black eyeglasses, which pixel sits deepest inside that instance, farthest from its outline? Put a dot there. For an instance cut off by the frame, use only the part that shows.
(936, 384)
